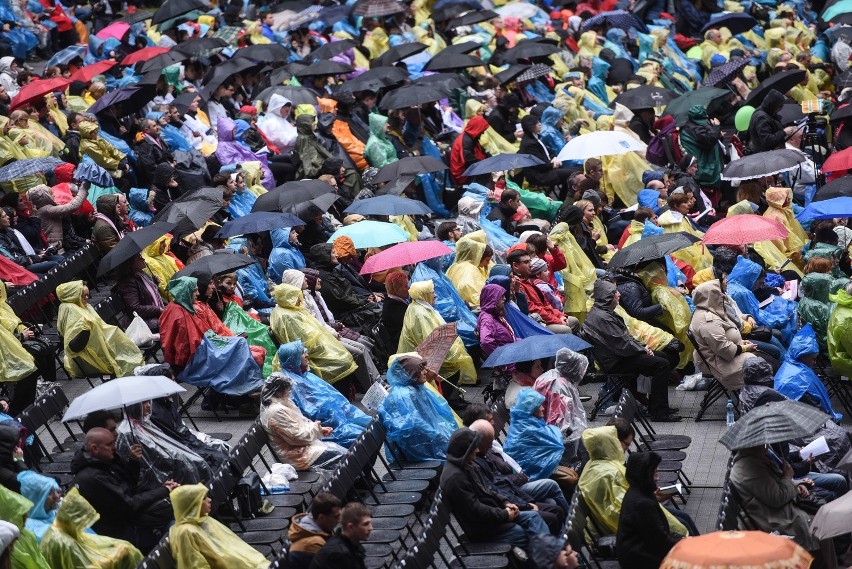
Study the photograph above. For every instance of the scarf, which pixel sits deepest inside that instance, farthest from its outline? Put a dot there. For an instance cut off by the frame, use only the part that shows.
(102, 217)
(152, 289)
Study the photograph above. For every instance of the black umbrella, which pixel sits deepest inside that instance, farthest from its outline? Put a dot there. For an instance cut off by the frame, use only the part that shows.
(502, 163)
(373, 80)
(472, 17)
(409, 166)
(184, 100)
(132, 244)
(510, 74)
(533, 72)
(763, 164)
(330, 15)
(781, 82)
(845, 18)
(791, 113)
(400, 52)
(463, 47)
(130, 97)
(644, 97)
(197, 45)
(224, 261)
(159, 62)
(528, 49)
(324, 67)
(192, 210)
(737, 23)
(257, 222)
(650, 248)
(842, 113)
(330, 49)
(297, 95)
(317, 206)
(265, 52)
(410, 96)
(839, 188)
(620, 71)
(138, 16)
(223, 71)
(449, 12)
(615, 19)
(445, 61)
(725, 73)
(775, 422)
(447, 81)
(396, 187)
(710, 98)
(171, 9)
(388, 205)
(289, 194)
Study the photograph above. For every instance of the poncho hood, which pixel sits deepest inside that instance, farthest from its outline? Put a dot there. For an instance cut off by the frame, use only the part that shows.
(817, 286)
(698, 114)
(138, 198)
(225, 129)
(288, 296)
(551, 116)
(602, 444)
(649, 199)
(489, 297)
(89, 130)
(571, 365)
(604, 293)
(36, 488)
(187, 500)
(13, 507)
(76, 514)
(469, 249)
(745, 273)
(528, 402)
(41, 196)
(281, 238)
(777, 197)
(71, 293)
(182, 290)
(305, 125)
(290, 357)
(476, 126)
(163, 174)
(397, 375)
(803, 343)
(377, 125)
(422, 290)
(708, 296)
(276, 101)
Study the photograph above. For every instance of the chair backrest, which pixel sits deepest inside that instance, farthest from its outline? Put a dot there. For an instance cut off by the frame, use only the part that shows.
(697, 348)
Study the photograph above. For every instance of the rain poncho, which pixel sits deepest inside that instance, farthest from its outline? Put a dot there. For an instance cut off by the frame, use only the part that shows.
(780, 314)
(15, 362)
(550, 135)
(418, 421)
(696, 255)
(26, 554)
(108, 349)
(318, 401)
(534, 444)
(603, 480)
(779, 200)
(67, 546)
(284, 255)
(140, 213)
(36, 488)
(253, 284)
(814, 306)
(676, 313)
(310, 151)
(196, 540)
(231, 150)
(158, 263)
(840, 333)
(466, 274)
(420, 319)
(674, 274)
(276, 128)
(239, 322)
(241, 202)
(379, 150)
(95, 147)
(579, 276)
(290, 321)
(562, 405)
(795, 379)
(447, 300)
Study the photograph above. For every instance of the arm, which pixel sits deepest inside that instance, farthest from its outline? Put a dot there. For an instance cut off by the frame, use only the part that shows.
(705, 135)
(132, 297)
(555, 260)
(714, 335)
(462, 496)
(53, 211)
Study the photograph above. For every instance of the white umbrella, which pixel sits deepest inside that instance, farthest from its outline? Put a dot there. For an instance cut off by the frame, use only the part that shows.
(600, 143)
(121, 392)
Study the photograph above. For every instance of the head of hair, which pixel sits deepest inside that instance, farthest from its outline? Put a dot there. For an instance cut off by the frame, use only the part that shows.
(324, 504)
(819, 265)
(97, 419)
(508, 195)
(824, 233)
(354, 512)
(525, 367)
(444, 229)
(515, 256)
(583, 204)
(592, 164)
(475, 412)
(676, 200)
(848, 288)
(539, 241)
(750, 190)
(488, 252)
(643, 214)
(585, 185)
(221, 179)
(75, 117)
(623, 428)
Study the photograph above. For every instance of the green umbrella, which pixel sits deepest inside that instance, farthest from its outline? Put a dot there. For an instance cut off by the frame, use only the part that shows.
(708, 97)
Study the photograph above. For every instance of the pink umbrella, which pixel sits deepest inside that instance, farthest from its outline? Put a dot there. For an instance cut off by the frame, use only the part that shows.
(744, 230)
(407, 253)
(115, 30)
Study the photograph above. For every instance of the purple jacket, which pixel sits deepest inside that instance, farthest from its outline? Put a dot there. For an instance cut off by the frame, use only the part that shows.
(231, 151)
(493, 331)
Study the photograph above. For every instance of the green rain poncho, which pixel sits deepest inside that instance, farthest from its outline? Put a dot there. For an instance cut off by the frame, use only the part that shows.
(840, 334)
(311, 153)
(15, 362)
(379, 151)
(814, 307)
(65, 546)
(696, 138)
(26, 554)
(197, 541)
(108, 349)
(676, 314)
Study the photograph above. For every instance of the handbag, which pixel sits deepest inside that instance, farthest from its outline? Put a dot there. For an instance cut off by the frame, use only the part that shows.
(566, 478)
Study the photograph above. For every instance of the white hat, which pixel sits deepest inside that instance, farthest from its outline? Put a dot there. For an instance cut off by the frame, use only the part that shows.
(8, 534)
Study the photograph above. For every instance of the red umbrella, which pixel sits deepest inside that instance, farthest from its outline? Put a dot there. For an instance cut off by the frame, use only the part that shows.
(115, 30)
(408, 253)
(143, 54)
(37, 89)
(838, 161)
(742, 230)
(89, 72)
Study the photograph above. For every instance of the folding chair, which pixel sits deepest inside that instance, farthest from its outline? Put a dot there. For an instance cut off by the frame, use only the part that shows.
(221, 490)
(717, 391)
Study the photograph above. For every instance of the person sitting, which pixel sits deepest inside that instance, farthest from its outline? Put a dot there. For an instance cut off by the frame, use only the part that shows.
(815, 306)
(343, 550)
(285, 253)
(467, 148)
(197, 540)
(796, 378)
(160, 264)
(26, 553)
(54, 217)
(92, 347)
(644, 538)
(309, 531)
(19, 369)
(140, 293)
(109, 221)
(840, 332)
(505, 210)
(45, 495)
(534, 444)
(395, 305)
(296, 439)
(758, 385)
(11, 454)
(780, 314)
(548, 552)
(418, 421)
(562, 405)
(492, 327)
(66, 545)
(469, 271)
(555, 320)
(18, 250)
(447, 300)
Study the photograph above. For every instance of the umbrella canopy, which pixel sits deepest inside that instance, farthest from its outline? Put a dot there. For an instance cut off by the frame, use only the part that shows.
(753, 549)
(827, 209)
(224, 261)
(132, 244)
(400, 52)
(463, 47)
(533, 72)
(378, 8)
(115, 30)
(445, 81)
(65, 56)
(397, 187)
(838, 161)
(600, 143)
(841, 187)
(511, 73)
(781, 82)
(86, 74)
(290, 194)
(374, 79)
(37, 90)
(389, 205)
(742, 230)
(726, 72)
(171, 9)
(298, 95)
(192, 210)
(645, 97)
(502, 163)
(409, 166)
(28, 167)
(324, 67)
(737, 23)
(317, 206)
(410, 96)
(265, 52)
(449, 61)
(257, 222)
(331, 49)
(121, 392)
(130, 97)
(222, 72)
(89, 171)
(763, 164)
(404, 254)
(534, 348)
(791, 113)
(144, 54)
(842, 113)
(615, 19)
(774, 422)
(836, 11)
(197, 45)
(162, 61)
(366, 234)
(833, 519)
(709, 97)
(528, 49)
(650, 248)
(472, 17)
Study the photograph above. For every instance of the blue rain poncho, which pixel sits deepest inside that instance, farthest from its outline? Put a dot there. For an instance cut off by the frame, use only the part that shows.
(550, 135)
(417, 420)
(534, 444)
(448, 303)
(253, 283)
(36, 488)
(499, 240)
(284, 255)
(241, 203)
(227, 366)
(795, 379)
(781, 314)
(318, 400)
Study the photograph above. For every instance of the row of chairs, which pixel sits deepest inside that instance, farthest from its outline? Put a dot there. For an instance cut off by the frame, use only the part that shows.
(717, 390)
(36, 419)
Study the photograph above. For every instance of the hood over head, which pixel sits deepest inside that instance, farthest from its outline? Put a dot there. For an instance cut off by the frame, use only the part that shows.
(163, 174)
(403, 369)
(182, 290)
(138, 198)
(745, 273)
(71, 292)
(571, 365)
(802, 344)
(377, 125)
(281, 238)
(293, 277)
(469, 249)
(187, 500)
(544, 549)
(88, 130)
(225, 129)
(41, 196)
(773, 102)
(322, 253)
(36, 488)
(290, 356)
(603, 444)
(527, 402)
(6, 65)
(462, 442)
(698, 114)
(75, 514)
(709, 296)
(640, 471)
(288, 296)
(277, 385)
(305, 125)
(343, 246)
(551, 116)
(276, 101)
(489, 297)
(422, 290)
(817, 286)
(476, 126)
(604, 293)
(777, 197)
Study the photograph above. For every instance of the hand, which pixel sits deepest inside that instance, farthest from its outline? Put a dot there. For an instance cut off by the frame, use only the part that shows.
(534, 507)
(649, 351)
(714, 121)
(789, 130)
(171, 485)
(803, 491)
(136, 452)
(512, 510)
(810, 459)
(28, 334)
(751, 321)
(24, 141)
(748, 346)
(4, 406)
(550, 244)
(519, 134)
(596, 235)
(326, 431)
(516, 284)
(556, 162)
(18, 453)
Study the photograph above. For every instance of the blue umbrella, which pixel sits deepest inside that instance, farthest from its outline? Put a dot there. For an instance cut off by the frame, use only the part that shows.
(257, 222)
(827, 209)
(64, 56)
(28, 167)
(534, 348)
(501, 163)
(366, 234)
(88, 171)
(388, 205)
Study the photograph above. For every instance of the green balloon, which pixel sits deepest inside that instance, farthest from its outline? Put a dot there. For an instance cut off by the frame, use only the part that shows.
(743, 118)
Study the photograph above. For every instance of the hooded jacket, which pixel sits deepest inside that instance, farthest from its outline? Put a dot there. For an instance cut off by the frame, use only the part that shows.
(276, 128)
(815, 306)
(701, 139)
(550, 135)
(467, 149)
(8, 77)
(306, 538)
(160, 181)
(102, 152)
(140, 213)
(636, 299)
(797, 380)
(311, 153)
(10, 437)
(606, 330)
(379, 150)
(465, 273)
(284, 255)
(765, 130)
(493, 329)
(51, 214)
(37, 488)
(840, 333)
(108, 228)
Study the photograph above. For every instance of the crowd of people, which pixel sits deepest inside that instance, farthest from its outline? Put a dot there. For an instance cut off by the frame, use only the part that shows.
(483, 113)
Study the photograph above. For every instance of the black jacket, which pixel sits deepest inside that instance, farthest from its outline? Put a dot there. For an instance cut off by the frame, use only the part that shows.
(537, 175)
(606, 330)
(165, 415)
(765, 129)
(71, 152)
(636, 299)
(393, 313)
(12, 249)
(9, 468)
(339, 553)
(148, 156)
(504, 216)
(504, 122)
(139, 299)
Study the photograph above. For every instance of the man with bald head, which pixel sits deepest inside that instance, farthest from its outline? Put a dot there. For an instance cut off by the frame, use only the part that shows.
(543, 496)
(110, 483)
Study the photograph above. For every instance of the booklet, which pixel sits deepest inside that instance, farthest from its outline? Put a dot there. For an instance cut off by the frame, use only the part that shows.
(816, 448)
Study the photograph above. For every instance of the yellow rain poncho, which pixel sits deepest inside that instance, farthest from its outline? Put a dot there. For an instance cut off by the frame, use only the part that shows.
(289, 320)
(491, 140)
(197, 541)
(696, 255)
(779, 200)
(770, 253)
(13, 509)
(634, 233)
(159, 264)
(102, 152)
(603, 482)
(579, 276)
(108, 349)
(676, 314)
(588, 44)
(406, 224)
(15, 362)
(377, 42)
(653, 337)
(420, 319)
(465, 273)
(65, 546)
(253, 175)
(622, 172)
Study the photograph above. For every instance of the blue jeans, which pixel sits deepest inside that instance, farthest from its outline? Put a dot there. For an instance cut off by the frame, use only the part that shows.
(683, 518)
(828, 486)
(547, 491)
(526, 523)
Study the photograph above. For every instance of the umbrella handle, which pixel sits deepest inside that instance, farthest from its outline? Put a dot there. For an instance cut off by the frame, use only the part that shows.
(136, 442)
(451, 384)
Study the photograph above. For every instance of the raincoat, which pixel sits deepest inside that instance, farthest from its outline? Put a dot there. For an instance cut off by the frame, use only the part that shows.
(795, 379)
(231, 150)
(318, 401)
(780, 314)
(417, 419)
(196, 540)
(550, 135)
(140, 213)
(578, 276)
(534, 444)
(814, 306)
(290, 321)
(676, 313)
(447, 300)
(701, 139)
(67, 546)
(379, 150)
(779, 200)
(36, 488)
(311, 152)
(493, 328)
(95, 147)
(284, 254)
(16, 363)
(238, 321)
(603, 480)
(420, 319)
(26, 554)
(465, 273)
(840, 333)
(276, 128)
(696, 255)
(108, 349)
(562, 405)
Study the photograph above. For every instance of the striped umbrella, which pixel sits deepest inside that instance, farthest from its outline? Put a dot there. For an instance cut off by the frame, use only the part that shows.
(28, 167)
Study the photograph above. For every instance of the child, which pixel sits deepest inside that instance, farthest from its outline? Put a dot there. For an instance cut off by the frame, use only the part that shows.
(229, 292)
(540, 274)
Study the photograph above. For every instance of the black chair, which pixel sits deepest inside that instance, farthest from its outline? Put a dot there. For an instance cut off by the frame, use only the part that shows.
(717, 391)
(469, 555)
(160, 557)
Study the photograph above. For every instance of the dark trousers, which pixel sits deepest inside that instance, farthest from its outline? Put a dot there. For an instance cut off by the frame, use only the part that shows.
(23, 393)
(658, 369)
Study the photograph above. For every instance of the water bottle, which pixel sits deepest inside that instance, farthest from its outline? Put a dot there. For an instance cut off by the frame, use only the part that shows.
(730, 415)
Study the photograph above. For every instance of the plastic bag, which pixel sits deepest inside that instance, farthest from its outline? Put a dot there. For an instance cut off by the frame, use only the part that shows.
(139, 332)
(239, 322)
(229, 369)
(694, 382)
(277, 480)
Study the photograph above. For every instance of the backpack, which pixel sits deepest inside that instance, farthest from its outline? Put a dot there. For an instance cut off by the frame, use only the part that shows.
(662, 150)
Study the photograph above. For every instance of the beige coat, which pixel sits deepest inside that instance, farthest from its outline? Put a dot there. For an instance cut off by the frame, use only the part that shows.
(717, 336)
(294, 437)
